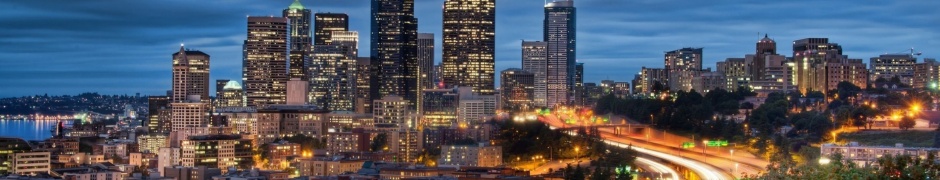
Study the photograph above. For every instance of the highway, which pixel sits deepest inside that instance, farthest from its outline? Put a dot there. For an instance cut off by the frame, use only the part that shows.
(653, 167)
(706, 165)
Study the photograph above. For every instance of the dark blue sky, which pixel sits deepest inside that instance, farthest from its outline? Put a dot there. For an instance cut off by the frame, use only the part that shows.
(124, 46)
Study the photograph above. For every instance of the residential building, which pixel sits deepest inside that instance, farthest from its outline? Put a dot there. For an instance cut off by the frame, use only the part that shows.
(926, 74)
(152, 143)
(737, 73)
(708, 81)
(681, 66)
(653, 80)
(888, 66)
(29, 163)
(480, 155)
(327, 167)
(355, 141)
(189, 113)
(868, 155)
(391, 110)
(288, 120)
(191, 173)
(820, 66)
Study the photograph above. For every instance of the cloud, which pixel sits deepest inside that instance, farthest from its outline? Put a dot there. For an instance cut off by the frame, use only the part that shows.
(117, 47)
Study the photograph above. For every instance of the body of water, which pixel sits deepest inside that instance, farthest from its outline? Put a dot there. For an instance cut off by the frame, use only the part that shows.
(27, 129)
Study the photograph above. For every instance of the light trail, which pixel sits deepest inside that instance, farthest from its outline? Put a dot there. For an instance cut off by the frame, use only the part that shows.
(704, 171)
(659, 167)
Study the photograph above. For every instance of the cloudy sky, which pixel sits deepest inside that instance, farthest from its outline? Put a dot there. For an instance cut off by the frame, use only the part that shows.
(124, 47)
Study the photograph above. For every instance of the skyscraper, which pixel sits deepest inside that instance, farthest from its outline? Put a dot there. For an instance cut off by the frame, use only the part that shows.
(578, 93)
(559, 30)
(681, 66)
(299, 18)
(469, 42)
(363, 76)
(333, 71)
(158, 107)
(394, 51)
(190, 75)
(326, 23)
(264, 70)
(534, 60)
(426, 60)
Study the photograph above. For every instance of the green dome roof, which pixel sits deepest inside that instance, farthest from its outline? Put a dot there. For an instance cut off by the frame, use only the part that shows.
(296, 5)
(232, 85)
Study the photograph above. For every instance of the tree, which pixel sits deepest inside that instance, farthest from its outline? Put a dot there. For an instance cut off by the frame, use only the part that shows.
(380, 142)
(906, 123)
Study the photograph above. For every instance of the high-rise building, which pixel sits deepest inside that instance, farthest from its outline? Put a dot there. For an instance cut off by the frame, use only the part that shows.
(708, 81)
(758, 64)
(190, 75)
(326, 23)
(189, 113)
(517, 89)
(426, 60)
(889, 66)
(534, 60)
(681, 66)
(653, 80)
(390, 110)
(474, 108)
(810, 56)
(394, 50)
(927, 74)
(363, 76)
(736, 71)
(230, 95)
(559, 31)
(299, 29)
(469, 44)
(577, 93)
(157, 105)
(437, 73)
(333, 69)
(265, 61)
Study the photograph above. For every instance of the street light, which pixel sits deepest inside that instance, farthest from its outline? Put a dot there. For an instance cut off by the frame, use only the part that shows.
(824, 160)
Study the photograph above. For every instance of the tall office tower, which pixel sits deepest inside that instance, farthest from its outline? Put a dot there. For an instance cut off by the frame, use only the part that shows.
(436, 75)
(426, 60)
(189, 113)
(157, 104)
(517, 89)
(578, 92)
(888, 66)
(535, 60)
(334, 72)
(559, 30)
(230, 95)
(325, 23)
(469, 44)
(190, 75)
(425, 65)
(394, 50)
(363, 100)
(811, 56)
(264, 70)
(758, 64)
(299, 24)
(681, 66)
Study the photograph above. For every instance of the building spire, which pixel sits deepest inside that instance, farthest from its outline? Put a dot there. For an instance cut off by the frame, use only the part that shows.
(296, 5)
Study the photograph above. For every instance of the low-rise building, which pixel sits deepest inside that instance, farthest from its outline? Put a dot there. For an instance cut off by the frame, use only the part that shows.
(868, 155)
(30, 163)
(327, 166)
(192, 173)
(471, 155)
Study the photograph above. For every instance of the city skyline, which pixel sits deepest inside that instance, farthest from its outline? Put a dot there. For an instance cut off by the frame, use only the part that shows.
(107, 54)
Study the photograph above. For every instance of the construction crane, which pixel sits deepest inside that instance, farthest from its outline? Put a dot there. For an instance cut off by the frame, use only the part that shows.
(912, 52)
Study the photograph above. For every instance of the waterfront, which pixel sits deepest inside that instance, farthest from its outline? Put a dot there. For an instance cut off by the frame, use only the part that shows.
(27, 129)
